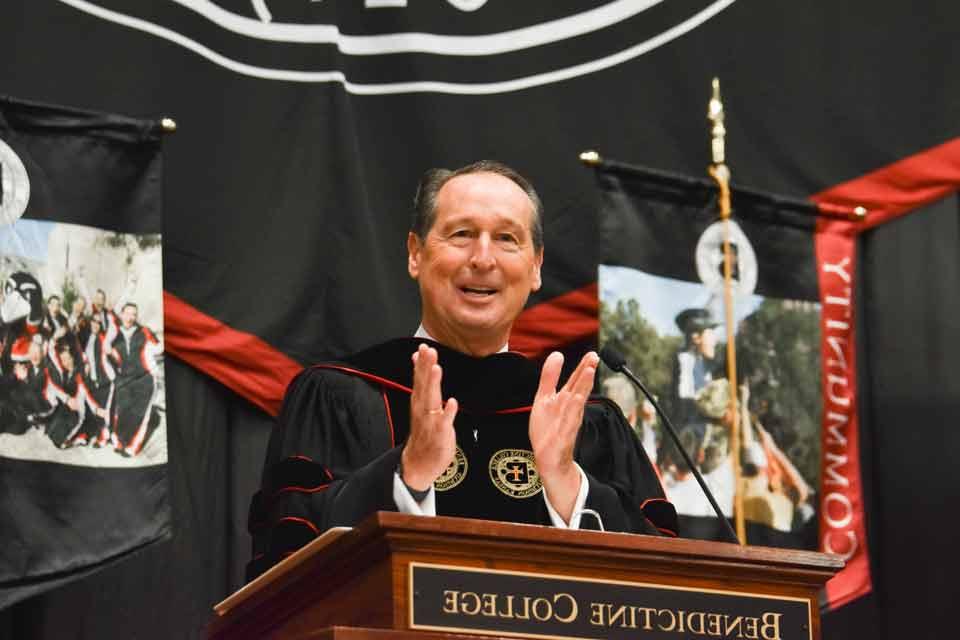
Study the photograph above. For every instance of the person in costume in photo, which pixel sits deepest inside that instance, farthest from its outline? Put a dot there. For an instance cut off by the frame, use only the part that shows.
(450, 422)
(135, 349)
(22, 316)
(22, 313)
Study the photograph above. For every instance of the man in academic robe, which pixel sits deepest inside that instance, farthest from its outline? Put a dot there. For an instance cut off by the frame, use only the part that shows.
(449, 422)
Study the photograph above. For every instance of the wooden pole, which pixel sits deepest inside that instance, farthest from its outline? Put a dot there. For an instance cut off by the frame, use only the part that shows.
(721, 174)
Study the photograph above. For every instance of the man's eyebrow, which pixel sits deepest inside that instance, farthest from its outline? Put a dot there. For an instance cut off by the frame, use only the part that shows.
(466, 218)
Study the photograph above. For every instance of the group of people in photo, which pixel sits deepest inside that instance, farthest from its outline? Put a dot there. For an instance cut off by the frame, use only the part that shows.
(84, 378)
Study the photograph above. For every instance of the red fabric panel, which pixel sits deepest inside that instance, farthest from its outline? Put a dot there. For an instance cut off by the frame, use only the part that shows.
(900, 187)
(567, 318)
(843, 527)
(240, 361)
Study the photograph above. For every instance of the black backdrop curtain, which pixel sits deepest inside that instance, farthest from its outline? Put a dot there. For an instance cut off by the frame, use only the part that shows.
(287, 204)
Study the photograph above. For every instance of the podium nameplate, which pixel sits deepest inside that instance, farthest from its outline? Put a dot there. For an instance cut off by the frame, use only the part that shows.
(496, 602)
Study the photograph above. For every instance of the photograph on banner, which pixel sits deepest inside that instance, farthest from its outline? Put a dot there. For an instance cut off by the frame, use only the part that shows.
(673, 336)
(663, 289)
(82, 346)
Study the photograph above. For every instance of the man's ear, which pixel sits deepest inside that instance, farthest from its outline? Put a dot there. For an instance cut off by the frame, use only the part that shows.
(537, 265)
(413, 255)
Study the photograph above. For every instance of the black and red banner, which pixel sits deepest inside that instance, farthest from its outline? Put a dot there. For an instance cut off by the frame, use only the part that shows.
(83, 437)
(796, 476)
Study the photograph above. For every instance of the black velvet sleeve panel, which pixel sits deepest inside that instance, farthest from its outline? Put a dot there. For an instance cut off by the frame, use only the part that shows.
(624, 487)
(330, 462)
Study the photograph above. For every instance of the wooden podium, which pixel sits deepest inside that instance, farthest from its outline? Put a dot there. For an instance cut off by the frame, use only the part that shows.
(397, 576)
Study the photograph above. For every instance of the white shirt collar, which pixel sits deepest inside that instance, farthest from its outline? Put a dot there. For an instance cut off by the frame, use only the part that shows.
(422, 333)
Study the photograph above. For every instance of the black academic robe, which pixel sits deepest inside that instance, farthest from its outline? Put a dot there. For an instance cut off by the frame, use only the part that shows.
(337, 443)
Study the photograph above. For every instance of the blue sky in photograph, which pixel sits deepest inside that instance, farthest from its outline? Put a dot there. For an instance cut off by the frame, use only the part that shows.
(26, 239)
(661, 299)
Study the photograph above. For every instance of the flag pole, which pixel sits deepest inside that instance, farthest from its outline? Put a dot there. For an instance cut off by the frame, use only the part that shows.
(721, 174)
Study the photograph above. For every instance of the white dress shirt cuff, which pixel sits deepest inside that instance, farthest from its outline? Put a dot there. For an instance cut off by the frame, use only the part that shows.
(406, 503)
(577, 506)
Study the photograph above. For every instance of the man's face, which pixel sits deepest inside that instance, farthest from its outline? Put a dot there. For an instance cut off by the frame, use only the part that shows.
(477, 265)
(99, 300)
(35, 354)
(128, 315)
(79, 305)
(66, 359)
(53, 306)
(706, 343)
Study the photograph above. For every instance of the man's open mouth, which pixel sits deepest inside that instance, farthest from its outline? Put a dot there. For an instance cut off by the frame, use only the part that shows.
(478, 291)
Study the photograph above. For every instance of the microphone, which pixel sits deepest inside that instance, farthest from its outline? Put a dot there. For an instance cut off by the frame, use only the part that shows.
(613, 359)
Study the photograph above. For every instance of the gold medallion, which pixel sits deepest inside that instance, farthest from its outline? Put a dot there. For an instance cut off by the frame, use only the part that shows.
(454, 473)
(514, 472)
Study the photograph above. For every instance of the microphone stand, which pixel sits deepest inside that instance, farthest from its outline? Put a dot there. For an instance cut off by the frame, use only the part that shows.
(611, 359)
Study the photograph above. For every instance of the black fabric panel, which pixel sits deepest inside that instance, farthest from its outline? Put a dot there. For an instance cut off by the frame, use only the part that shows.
(216, 444)
(911, 303)
(864, 619)
(124, 198)
(671, 218)
(52, 538)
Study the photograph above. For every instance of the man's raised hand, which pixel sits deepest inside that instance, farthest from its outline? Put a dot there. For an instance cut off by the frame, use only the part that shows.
(432, 442)
(554, 424)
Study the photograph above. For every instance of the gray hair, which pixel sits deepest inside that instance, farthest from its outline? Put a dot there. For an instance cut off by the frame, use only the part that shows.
(619, 389)
(425, 201)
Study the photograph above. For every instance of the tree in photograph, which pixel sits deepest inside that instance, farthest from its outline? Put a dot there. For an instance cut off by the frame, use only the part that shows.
(778, 350)
(648, 354)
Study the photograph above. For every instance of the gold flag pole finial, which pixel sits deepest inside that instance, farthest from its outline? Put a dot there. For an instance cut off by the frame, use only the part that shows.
(590, 158)
(718, 133)
(721, 174)
(169, 125)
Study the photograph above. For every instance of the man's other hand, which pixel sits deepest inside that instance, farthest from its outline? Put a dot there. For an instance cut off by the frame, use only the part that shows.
(432, 442)
(554, 424)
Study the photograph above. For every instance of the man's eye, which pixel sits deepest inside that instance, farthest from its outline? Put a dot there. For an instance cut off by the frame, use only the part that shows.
(508, 238)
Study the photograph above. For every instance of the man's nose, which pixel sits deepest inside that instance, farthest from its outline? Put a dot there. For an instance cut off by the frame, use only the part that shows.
(482, 256)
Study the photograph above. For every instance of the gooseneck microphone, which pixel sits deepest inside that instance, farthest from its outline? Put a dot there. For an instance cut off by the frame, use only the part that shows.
(618, 363)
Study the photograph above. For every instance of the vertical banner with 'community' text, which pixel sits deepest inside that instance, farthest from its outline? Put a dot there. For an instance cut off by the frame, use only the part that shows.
(661, 290)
